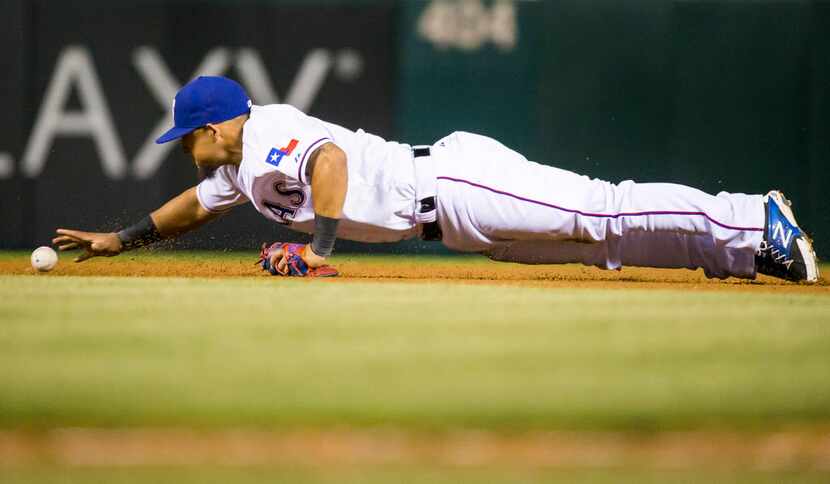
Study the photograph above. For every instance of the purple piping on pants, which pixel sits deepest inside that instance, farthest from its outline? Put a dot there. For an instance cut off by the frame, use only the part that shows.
(305, 155)
(600, 215)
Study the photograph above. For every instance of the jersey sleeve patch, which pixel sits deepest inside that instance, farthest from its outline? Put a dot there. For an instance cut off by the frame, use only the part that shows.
(276, 155)
(284, 139)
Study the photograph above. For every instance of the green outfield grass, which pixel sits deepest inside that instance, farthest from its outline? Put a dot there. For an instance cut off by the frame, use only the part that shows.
(159, 351)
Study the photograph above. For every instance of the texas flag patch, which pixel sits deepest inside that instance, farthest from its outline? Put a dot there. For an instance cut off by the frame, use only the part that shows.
(276, 154)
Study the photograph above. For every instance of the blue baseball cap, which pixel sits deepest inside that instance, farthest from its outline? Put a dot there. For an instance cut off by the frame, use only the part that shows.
(206, 99)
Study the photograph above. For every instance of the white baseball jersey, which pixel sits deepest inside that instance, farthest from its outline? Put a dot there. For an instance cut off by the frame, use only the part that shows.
(277, 141)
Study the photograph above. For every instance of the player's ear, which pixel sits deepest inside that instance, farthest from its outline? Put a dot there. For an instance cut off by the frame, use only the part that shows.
(213, 131)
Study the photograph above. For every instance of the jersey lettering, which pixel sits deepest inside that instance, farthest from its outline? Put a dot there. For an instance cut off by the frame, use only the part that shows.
(284, 214)
(279, 187)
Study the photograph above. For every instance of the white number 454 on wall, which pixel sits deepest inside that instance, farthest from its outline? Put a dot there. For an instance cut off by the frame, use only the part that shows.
(469, 24)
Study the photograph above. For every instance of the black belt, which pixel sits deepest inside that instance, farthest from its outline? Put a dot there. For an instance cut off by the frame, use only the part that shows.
(429, 230)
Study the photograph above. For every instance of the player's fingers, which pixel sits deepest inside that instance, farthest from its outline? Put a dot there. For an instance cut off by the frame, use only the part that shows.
(63, 239)
(68, 246)
(86, 255)
(274, 257)
(75, 234)
(282, 266)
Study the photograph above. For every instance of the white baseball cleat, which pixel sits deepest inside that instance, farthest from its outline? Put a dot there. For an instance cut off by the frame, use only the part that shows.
(786, 251)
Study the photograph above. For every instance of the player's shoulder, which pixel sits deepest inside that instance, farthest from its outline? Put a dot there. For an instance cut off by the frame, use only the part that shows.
(280, 137)
(268, 127)
(273, 112)
(264, 122)
(270, 121)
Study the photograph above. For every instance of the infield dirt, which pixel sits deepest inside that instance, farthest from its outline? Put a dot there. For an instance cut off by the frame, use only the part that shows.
(457, 269)
(781, 450)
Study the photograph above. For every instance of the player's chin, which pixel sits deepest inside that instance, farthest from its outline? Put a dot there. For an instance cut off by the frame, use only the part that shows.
(210, 165)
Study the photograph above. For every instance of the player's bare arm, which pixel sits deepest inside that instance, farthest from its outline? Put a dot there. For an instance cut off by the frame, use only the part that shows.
(178, 216)
(181, 215)
(329, 180)
(328, 171)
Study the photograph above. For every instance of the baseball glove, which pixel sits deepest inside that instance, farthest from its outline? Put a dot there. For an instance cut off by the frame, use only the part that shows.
(295, 265)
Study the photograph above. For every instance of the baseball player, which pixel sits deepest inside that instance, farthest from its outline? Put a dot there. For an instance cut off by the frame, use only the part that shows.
(469, 191)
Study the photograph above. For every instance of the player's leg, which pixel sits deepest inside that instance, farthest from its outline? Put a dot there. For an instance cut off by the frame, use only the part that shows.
(785, 252)
(489, 195)
(677, 251)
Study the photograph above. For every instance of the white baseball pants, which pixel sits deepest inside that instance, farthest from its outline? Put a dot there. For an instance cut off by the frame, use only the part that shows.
(491, 199)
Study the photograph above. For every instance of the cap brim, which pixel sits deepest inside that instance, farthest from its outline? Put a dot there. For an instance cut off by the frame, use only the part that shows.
(173, 133)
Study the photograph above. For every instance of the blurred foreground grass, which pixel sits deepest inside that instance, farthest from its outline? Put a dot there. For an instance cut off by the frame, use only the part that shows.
(98, 351)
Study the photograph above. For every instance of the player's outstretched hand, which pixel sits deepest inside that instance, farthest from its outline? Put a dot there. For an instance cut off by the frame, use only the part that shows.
(94, 244)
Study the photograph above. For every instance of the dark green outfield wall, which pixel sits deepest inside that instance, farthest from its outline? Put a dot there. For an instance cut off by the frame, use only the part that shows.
(719, 95)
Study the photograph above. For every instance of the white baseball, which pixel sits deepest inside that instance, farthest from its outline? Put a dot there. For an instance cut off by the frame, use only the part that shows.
(44, 259)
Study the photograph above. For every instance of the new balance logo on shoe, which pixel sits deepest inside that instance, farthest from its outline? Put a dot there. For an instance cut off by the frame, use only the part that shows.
(778, 232)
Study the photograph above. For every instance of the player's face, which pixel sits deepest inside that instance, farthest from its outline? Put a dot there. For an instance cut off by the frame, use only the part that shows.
(206, 148)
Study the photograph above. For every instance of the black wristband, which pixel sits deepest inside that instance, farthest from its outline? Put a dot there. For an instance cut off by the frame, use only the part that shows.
(325, 233)
(142, 233)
